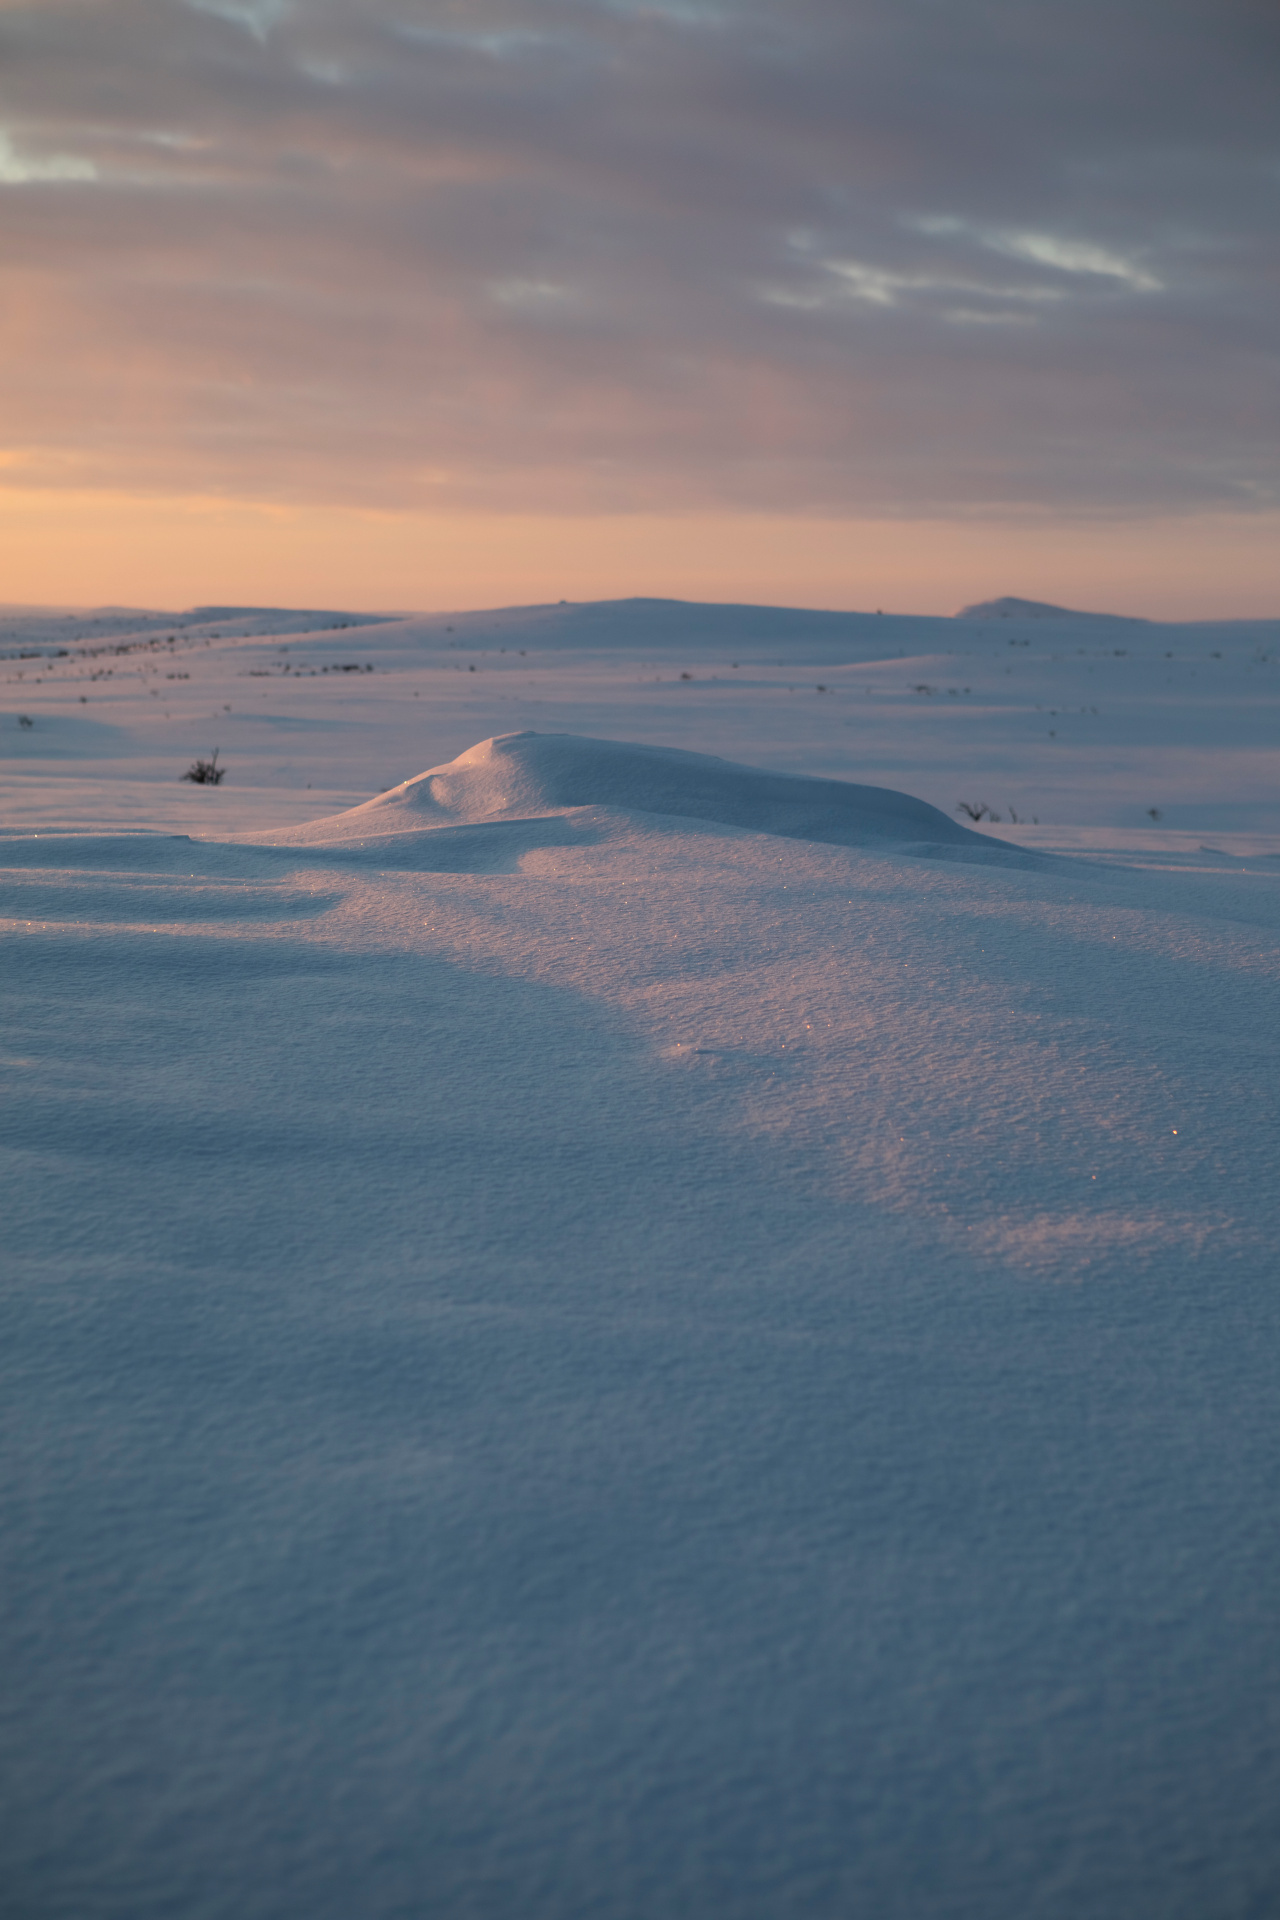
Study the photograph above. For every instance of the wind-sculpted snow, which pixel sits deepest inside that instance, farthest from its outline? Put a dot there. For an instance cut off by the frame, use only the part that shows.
(524, 777)
(615, 1335)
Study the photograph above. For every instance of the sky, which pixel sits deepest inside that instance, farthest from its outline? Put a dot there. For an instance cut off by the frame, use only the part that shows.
(396, 303)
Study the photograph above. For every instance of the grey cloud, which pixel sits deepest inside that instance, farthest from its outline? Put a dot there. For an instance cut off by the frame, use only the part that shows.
(901, 256)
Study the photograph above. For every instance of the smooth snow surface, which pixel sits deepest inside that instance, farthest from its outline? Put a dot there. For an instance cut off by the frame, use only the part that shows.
(642, 1325)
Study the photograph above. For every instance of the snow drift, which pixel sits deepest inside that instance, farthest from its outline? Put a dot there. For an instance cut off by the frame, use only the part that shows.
(524, 776)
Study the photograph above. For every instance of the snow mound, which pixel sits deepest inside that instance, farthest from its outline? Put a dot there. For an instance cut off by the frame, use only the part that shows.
(524, 776)
(1010, 608)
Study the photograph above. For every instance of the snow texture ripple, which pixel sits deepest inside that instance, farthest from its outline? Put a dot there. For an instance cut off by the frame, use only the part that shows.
(612, 1333)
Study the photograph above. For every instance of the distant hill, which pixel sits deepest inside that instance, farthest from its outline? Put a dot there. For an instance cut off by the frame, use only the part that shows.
(1010, 608)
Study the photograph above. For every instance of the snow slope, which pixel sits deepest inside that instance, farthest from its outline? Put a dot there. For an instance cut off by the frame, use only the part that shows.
(614, 1331)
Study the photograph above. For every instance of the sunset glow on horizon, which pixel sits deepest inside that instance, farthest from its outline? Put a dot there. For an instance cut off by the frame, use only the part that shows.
(462, 304)
(80, 550)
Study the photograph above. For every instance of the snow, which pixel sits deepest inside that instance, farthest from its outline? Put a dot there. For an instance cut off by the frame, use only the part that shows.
(641, 1323)
(527, 775)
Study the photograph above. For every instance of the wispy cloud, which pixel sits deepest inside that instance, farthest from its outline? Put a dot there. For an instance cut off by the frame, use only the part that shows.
(257, 17)
(1065, 253)
(19, 169)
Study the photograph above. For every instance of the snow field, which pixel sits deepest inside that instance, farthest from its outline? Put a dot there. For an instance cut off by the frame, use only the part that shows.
(569, 1357)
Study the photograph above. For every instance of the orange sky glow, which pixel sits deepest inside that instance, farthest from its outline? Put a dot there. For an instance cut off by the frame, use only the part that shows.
(313, 302)
(82, 549)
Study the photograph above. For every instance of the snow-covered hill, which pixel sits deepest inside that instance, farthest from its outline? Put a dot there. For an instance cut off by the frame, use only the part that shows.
(1009, 607)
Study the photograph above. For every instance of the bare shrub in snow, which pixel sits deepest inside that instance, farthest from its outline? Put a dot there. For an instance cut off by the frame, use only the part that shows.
(205, 773)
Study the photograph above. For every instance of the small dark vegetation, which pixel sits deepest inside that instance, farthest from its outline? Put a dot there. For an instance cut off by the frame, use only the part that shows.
(205, 773)
(976, 809)
(25, 720)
